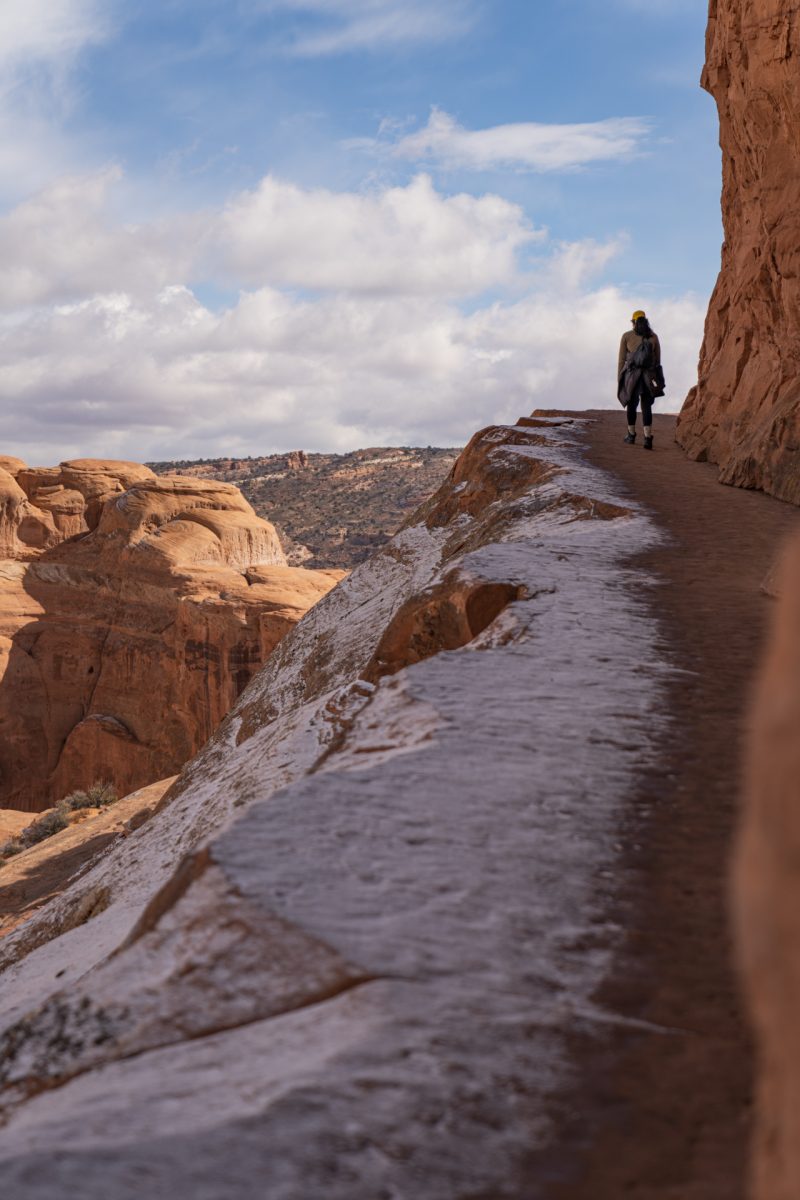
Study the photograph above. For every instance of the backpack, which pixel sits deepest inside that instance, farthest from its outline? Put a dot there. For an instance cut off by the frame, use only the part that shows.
(643, 355)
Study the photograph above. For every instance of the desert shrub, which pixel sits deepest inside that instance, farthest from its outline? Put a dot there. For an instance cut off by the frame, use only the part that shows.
(97, 795)
(38, 831)
(48, 824)
(10, 848)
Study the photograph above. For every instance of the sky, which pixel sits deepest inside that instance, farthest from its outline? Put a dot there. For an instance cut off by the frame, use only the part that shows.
(233, 227)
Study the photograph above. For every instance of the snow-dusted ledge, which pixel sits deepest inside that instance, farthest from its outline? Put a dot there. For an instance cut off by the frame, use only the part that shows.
(345, 957)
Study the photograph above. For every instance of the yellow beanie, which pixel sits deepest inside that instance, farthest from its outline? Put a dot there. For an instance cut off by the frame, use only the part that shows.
(638, 314)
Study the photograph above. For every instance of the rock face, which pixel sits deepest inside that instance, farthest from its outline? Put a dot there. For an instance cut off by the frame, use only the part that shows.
(768, 897)
(744, 413)
(133, 612)
(348, 954)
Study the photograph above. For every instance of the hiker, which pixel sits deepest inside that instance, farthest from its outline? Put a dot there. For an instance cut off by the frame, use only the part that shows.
(639, 376)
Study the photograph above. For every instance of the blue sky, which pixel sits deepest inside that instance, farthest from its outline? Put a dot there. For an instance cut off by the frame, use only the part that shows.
(238, 226)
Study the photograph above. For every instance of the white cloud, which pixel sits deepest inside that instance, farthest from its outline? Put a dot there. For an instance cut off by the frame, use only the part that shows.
(168, 378)
(40, 44)
(109, 353)
(525, 146)
(342, 26)
(400, 240)
(48, 32)
(64, 244)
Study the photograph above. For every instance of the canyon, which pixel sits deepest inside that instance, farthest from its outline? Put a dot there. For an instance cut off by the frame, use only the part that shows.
(134, 609)
(330, 510)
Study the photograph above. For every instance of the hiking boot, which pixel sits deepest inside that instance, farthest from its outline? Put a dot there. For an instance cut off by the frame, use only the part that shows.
(630, 439)
(648, 443)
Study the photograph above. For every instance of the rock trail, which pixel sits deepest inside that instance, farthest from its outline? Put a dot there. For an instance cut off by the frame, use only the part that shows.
(666, 1116)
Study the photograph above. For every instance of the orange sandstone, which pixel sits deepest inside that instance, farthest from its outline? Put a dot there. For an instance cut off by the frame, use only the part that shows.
(744, 413)
(133, 612)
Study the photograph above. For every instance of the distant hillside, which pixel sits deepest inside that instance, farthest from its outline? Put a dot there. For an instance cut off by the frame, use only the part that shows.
(330, 510)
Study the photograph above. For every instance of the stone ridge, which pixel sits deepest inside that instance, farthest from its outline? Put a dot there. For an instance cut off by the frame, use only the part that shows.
(134, 609)
(331, 510)
(347, 954)
(744, 413)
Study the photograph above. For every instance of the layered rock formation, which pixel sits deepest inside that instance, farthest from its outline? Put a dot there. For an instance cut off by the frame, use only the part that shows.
(744, 413)
(768, 897)
(133, 612)
(348, 954)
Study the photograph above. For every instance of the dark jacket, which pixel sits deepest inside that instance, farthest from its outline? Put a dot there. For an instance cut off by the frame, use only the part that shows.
(629, 378)
(631, 343)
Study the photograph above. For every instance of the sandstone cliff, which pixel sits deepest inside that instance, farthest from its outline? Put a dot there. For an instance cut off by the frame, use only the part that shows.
(133, 612)
(768, 897)
(744, 413)
(348, 954)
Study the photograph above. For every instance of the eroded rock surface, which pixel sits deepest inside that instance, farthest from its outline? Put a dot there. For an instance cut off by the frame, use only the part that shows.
(744, 413)
(133, 611)
(768, 897)
(346, 956)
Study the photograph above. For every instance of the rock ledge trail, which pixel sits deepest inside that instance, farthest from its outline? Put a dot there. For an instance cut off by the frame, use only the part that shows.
(665, 1115)
(440, 909)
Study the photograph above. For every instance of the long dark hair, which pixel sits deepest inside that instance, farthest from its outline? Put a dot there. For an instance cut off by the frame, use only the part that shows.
(642, 327)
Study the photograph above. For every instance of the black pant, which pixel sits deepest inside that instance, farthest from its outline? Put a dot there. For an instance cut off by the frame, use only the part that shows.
(641, 394)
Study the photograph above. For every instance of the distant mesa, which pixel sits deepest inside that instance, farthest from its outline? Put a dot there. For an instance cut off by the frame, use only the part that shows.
(134, 609)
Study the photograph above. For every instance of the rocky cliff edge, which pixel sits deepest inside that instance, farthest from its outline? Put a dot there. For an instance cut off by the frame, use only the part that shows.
(347, 954)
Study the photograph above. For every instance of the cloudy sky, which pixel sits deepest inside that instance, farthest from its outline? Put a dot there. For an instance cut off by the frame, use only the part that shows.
(247, 226)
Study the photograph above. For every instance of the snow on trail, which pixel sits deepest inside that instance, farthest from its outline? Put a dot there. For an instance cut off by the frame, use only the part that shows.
(449, 836)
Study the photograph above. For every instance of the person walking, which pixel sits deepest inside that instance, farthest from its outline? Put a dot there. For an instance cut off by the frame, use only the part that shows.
(639, 376)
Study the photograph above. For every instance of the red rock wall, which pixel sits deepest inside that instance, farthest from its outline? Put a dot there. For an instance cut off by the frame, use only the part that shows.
(744, 414)
(767, 894)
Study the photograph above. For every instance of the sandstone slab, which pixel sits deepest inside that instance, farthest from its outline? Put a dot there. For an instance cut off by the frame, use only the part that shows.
(347, 954)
